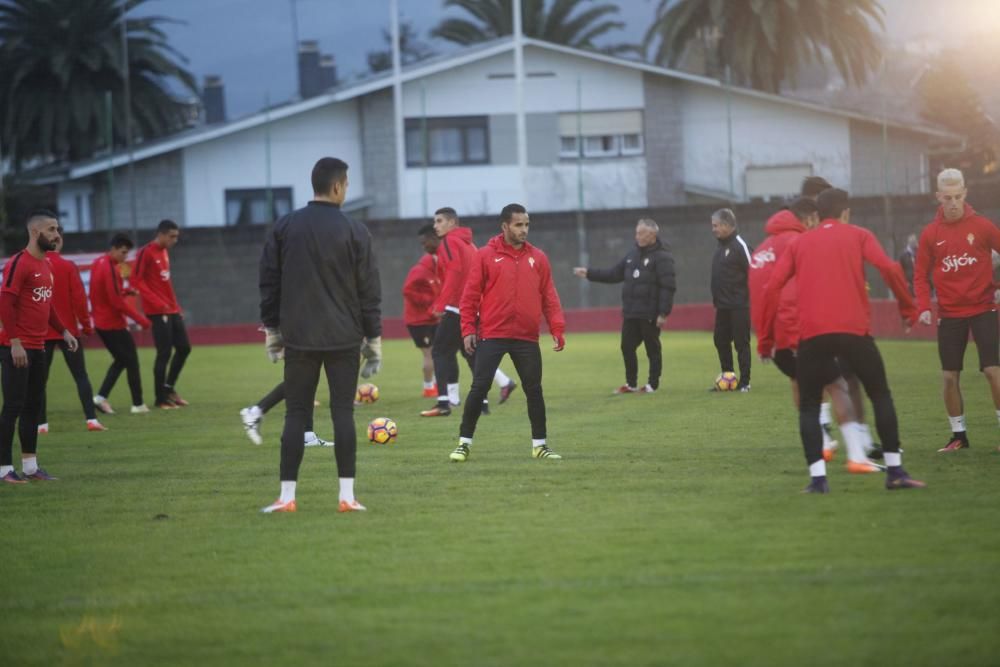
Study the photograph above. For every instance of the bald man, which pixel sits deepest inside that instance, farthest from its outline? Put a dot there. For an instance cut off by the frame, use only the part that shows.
(26, 313)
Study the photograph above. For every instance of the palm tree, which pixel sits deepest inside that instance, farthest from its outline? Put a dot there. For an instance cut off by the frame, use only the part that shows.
(561, 23)
(411, 49)
(58, 58)
(763, 43)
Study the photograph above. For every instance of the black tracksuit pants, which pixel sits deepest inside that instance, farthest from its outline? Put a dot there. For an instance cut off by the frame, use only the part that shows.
(173, 347)
(124, 358)
(817, 367)
(302, 369)
(527, 359)
(447, 343)
(732, 327)
(635, 331)
(78, 368)
(275, 396)
(23, 389)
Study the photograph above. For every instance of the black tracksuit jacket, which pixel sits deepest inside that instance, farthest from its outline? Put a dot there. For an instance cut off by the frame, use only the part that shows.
(649, 281)
(730, 266)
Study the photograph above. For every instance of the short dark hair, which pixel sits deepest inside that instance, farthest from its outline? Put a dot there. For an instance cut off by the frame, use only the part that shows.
(507, 214)
(803, 207)
(427, 230)
(832, 203)
(41, 213)
(121, 240)
(725, 216)
(326, 172)
(813, 185)
(448, 212)
(166, 226)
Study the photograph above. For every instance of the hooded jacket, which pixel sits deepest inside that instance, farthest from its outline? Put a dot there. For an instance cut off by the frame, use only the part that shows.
(455, 254)
(730, 265)
(420, 289)
(782, 229)
(648, 281)
(956, 257)
(510, 289)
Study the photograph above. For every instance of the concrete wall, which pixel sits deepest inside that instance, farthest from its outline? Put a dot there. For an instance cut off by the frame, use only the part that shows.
(904, 153)
(215, 269)
(159, 187)
(378, 145)
(664, 141)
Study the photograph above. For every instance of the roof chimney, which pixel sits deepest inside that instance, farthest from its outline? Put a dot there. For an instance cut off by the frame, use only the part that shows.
(328, 70)
(213, 96)
(310, 76)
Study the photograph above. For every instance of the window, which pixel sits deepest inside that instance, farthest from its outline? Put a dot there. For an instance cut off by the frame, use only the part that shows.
(632, 144)
(569, 147)
(605, 134)
(449, 141)
(249, 207)
(604, 145)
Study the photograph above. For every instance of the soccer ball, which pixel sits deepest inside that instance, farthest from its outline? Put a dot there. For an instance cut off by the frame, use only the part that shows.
(367, 393)
(382, 431)
(726, 381)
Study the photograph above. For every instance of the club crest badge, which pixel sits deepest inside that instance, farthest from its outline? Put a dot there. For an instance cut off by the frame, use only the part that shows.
(635, 274)
(531, 262)
(727, 252)
(970, 238)
(645, 262)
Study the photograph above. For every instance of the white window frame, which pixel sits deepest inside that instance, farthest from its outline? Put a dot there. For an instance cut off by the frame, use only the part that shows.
(632, 151)
(612, 152)
(566, 153)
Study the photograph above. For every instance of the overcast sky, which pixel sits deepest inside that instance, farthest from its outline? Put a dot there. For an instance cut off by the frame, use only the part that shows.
(250, 43)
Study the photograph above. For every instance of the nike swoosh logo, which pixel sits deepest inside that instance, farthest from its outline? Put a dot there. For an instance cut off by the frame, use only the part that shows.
(941, 242)
(498, 259)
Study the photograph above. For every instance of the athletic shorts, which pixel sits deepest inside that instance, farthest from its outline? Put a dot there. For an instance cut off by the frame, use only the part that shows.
(785, 361)
(953, 337)
(422, 334)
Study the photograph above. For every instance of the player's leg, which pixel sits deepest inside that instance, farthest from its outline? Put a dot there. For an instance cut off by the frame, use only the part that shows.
(163, 339)
(251, 416)
(863, 356)
(722, 336)
(112, 345)
(741, 341)
(43, 417)
(856, 438)
(814, 362)
(527, 359)
(488, 356)
(953, 337)
(986, 334)
(654, 352)
(447, 342)
(422, 337)
(631, 337)
(301, 377)
(27, 423)
(182, 348)
(14, 383)
(342, 378)
(78, 369)
(130, 355)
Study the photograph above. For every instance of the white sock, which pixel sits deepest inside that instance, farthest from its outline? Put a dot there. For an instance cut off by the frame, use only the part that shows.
(501, 378)
(998, 415)
(29, 464)
(92, 422)
(46, 425)
(453, 396)
(100, 399)
(429, 385)
(818, 469)
(6, 469)
(347, 489)
(310, 436)
(893, 459)
(854, 440)
(535, 442)
(824, 413)
(957, 423)
(255, 412)
(287, 492)
(465, 441)
(866, 435)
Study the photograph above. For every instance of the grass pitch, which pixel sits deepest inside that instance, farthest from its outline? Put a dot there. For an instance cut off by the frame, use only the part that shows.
(672, 533)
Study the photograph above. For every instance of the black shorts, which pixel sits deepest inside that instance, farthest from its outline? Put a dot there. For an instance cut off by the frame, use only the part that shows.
(422, 334)
(785, 361)
(953, 337)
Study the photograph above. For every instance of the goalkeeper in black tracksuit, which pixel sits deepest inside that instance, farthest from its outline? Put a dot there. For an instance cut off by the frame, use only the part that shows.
(647, 272)
(731, 295)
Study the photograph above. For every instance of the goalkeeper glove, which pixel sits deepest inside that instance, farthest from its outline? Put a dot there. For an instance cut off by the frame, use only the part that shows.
(371, 352)
(274, 345)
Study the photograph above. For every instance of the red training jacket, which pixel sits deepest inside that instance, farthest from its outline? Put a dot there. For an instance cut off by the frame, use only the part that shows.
(455, 254)
(152, 279)
(957, 257)
(26, 301)
(420, 289)
(782, 228)
(69, 298)
(510, 290)
(829, 264)
(107, 298)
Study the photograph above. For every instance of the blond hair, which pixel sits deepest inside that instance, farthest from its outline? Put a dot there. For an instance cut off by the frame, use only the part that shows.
(950, 178)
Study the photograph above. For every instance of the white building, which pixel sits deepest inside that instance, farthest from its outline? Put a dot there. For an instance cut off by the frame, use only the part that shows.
(609, 132)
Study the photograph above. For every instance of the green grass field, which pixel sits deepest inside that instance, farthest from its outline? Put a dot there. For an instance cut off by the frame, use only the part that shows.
(673, 532)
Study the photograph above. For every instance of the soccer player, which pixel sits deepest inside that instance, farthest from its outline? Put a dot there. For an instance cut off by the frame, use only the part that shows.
(783, 229)
(320, 303)
(69, 300)
(455, 254)
(507, 266)
(648, 286)
(26, 313)
(835, 322)
(152, 279)
(731, 296)
(955, 254)
(254, 414)
(110, 308)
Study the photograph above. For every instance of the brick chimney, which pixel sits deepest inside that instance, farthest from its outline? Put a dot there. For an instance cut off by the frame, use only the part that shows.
(310, 75)
(213, 96)
(328, 68)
